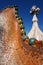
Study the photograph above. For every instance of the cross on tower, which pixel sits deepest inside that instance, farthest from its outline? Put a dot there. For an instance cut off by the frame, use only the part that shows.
(34, 10)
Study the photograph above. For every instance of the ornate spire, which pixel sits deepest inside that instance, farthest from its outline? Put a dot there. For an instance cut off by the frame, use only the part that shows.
(35, 32)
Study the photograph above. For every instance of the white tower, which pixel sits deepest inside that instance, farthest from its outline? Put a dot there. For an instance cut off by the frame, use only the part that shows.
(35, 32)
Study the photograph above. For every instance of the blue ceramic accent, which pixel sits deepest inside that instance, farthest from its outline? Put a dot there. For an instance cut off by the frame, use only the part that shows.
(31, 41)
(24, 37)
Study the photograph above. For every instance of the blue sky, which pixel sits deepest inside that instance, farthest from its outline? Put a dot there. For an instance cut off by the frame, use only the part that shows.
(23, 10)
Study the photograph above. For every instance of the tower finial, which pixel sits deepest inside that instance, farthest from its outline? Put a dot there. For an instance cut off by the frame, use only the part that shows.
(34, 10)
